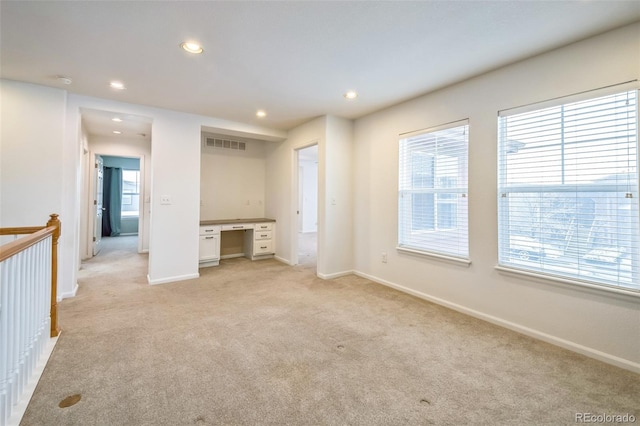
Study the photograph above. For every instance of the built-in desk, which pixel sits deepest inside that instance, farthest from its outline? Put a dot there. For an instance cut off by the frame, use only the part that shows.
(257, 239)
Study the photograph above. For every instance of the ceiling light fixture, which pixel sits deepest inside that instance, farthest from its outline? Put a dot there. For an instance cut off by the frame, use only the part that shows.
(191, 47)
(261, 114)
(116, 119)
(118, 85)
(117, 132)
(64, 80)
(351, 94)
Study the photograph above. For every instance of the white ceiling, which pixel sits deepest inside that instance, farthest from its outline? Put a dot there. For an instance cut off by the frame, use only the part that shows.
(293, 59)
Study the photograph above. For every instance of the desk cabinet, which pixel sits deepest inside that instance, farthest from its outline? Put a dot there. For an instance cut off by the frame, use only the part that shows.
(260, 243)
(209, 249)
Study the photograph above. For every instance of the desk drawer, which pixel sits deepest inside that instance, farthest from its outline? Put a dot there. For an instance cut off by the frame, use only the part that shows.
(237, 227)
(263, 247)
(261, 235)
(210, 230)
(264, 226)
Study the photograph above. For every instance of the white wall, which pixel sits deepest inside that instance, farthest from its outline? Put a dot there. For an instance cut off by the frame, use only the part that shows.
(123, 147)
(175, 173)
(335, 159)
(32, 134)
(232, 182)
(335, 208)
(281, 188)
(599, 324)
(32, 177)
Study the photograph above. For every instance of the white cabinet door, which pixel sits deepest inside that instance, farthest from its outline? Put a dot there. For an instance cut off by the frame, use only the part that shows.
(209, 247)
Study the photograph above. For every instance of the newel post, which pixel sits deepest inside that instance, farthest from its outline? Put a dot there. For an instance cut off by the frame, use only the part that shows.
(55, 222)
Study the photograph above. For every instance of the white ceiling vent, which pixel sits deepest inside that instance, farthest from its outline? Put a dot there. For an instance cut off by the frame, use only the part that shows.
(225, 144)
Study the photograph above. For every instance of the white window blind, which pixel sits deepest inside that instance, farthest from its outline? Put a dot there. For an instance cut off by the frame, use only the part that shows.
(433, 191)
(568, 191)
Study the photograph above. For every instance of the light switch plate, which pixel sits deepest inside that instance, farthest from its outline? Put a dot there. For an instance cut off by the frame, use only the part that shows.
(165, 199)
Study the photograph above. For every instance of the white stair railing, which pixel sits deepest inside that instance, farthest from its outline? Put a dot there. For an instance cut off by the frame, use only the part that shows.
(26, 272)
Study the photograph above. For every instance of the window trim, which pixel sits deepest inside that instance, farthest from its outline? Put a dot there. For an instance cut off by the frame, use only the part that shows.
(554, 279)
(460, 260)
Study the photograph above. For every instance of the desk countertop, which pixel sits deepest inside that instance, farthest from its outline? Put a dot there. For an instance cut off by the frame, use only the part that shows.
(234, 221)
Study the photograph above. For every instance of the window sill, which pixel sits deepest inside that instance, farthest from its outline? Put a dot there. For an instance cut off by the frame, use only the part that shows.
(452, 259)
(550, 279)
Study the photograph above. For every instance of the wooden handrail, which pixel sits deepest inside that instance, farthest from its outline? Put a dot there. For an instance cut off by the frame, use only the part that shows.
(14, 247)
(20, 231)
(38, 233)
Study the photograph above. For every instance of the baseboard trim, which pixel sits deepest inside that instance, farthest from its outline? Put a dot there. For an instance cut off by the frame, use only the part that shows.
(172, 279)
(283, 260)
(68, 294)
(536, 334)
(336, 275)
(20, 408)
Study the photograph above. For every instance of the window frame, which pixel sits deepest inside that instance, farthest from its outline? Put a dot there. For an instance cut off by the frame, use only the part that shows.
(130, 194)
(579, 190)
(440, 195)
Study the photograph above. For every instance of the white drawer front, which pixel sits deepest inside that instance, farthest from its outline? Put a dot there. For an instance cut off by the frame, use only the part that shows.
(263, 247)
(261, 235)
(209, 230)
(263, 226)
(232, 227)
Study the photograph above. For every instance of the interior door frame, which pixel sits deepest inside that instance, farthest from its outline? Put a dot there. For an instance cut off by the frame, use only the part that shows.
(98, 163)
(297, 203)
(92, 189)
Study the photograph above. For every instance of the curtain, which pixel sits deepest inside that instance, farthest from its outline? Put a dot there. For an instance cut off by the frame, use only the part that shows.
(112, 201)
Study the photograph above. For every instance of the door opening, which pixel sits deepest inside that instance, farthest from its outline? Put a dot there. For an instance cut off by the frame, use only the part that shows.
(307, 206)
(97, 202)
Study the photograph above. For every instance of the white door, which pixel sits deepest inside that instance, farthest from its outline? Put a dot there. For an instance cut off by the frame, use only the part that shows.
(300, 198)
(97, 202)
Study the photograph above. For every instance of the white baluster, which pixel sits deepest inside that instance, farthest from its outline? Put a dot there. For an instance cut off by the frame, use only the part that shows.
(25, 296)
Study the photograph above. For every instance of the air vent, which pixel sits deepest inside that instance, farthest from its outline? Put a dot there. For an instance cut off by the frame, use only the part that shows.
(225, 144)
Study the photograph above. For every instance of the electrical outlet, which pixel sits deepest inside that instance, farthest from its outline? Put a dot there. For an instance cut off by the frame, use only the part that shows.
(384, 257)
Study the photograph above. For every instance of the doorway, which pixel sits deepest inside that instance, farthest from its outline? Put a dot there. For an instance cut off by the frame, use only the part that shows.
(307, 206)
(109, 136)
(118, 200)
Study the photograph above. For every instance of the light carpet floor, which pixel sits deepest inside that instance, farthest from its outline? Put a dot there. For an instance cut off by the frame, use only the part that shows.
(263, 343)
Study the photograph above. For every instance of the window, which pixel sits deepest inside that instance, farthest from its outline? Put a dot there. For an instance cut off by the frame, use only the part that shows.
(433, 191)
(130, 193)
(568, 191)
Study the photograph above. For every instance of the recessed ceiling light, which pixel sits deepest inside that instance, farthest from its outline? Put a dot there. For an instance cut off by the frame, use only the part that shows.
(261, 114)
(118, 85)
(116, 119)
(191, 47)
(351, 94)
(117, 132)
